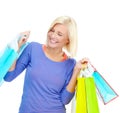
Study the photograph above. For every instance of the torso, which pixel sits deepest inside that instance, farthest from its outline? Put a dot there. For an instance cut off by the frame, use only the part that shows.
(44, 81)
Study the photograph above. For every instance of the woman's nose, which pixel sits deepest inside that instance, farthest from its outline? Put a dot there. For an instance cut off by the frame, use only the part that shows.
(54, 34)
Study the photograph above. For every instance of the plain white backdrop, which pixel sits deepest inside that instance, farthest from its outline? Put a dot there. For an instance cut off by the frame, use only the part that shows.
(98, 31)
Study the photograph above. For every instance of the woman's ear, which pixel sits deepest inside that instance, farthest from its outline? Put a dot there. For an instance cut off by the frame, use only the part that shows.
(68, 41)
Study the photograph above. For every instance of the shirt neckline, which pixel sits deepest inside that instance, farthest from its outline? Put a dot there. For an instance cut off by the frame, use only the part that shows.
(65, 58)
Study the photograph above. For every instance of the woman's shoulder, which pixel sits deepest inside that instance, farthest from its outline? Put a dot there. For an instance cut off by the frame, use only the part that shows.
(71, 61)
(35, 43)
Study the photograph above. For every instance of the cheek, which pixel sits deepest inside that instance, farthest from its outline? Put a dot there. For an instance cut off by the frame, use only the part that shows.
(48, 36)
(47, 39)
(65, 41)
(62, 43)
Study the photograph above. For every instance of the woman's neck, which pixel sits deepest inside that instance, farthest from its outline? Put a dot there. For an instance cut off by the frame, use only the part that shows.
(54, 54)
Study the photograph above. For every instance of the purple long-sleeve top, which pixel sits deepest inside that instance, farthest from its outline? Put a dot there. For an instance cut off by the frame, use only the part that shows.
(45, 81)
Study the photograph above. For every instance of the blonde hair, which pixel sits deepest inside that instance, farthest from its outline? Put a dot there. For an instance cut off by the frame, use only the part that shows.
(71, 47)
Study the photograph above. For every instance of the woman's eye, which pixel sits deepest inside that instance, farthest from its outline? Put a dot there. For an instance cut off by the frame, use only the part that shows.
(59, 34)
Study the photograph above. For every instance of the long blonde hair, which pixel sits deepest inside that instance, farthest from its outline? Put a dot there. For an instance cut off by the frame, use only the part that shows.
(71, 47)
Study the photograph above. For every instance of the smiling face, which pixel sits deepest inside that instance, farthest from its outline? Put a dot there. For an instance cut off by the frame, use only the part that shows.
(57, 36)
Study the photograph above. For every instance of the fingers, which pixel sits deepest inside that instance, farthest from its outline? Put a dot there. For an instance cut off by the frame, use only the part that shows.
(84, 63)
(23, 38)
(81, 65)
(85, 60)
(25, 35)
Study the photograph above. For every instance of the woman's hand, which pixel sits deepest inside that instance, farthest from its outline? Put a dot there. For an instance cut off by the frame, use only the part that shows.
(81, 65)
(23, 38)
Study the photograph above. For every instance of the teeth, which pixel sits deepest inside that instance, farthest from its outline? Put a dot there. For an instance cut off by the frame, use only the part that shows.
(53, 41)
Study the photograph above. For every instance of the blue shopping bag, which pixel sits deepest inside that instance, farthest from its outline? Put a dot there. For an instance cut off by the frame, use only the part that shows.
(106, 92)
(7, 58)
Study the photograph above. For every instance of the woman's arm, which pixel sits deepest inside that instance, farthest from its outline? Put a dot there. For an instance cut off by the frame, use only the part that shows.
(82, 64)
(20, 64)
(21, 41)
(69, 90)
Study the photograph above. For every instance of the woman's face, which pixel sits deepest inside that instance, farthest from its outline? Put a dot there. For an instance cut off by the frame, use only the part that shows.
(57, 37)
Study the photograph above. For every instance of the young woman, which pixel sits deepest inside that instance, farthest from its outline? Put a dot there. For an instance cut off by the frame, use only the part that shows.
(51, 70)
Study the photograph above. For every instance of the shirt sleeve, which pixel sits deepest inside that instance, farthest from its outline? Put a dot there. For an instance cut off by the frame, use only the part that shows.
(67, 96)
(21, 64)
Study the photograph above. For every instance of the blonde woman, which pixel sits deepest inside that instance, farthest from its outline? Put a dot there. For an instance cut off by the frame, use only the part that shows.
(51, 70)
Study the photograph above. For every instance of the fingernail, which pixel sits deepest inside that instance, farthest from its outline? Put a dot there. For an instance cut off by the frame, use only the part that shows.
(85, 62)
(25, 35)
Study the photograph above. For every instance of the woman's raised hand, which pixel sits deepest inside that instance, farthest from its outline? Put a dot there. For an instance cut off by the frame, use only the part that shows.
(23, 38)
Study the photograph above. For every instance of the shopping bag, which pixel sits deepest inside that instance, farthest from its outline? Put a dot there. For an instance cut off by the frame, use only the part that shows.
(106, 92)
(86, 96)
(8, 56)
(81, 103)
(6, 60)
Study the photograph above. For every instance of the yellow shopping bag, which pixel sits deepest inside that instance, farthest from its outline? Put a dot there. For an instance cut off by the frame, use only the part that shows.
(86, 97)
(81, 104)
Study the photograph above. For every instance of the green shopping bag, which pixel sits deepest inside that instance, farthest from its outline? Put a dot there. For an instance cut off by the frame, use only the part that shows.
(86, 97)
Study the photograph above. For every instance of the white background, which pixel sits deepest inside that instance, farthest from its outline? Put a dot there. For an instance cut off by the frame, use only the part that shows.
(98, 31)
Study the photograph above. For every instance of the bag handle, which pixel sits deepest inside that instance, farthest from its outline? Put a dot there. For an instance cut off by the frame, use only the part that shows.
(86, 71)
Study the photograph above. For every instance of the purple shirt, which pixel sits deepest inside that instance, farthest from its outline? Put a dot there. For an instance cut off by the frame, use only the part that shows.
(45, 81)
